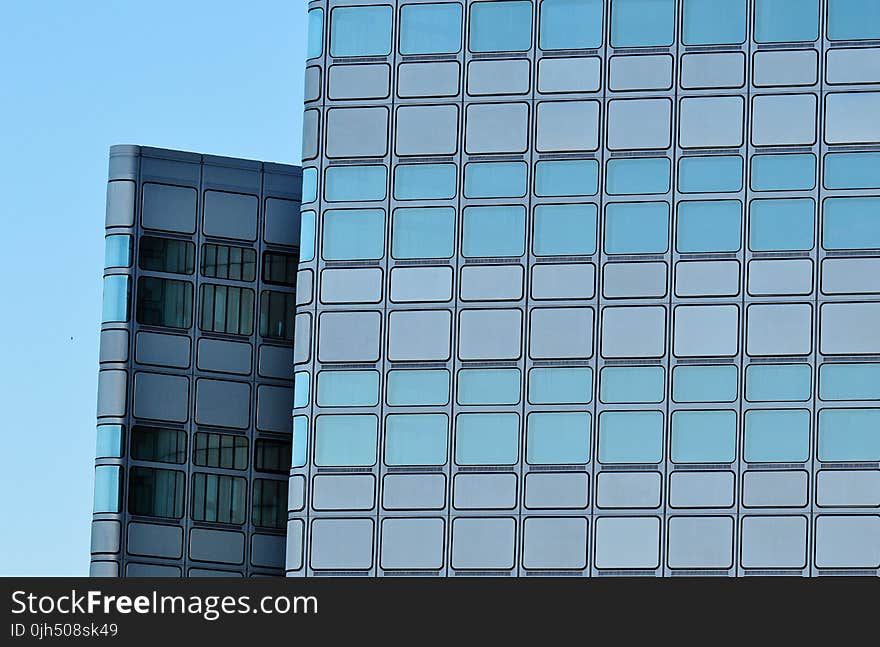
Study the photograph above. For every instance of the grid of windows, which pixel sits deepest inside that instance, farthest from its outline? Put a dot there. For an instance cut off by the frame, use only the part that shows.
(595, 288)
(194, 396)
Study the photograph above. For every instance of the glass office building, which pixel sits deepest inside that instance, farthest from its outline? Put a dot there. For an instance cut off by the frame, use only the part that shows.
(194, 388)
(588, 287)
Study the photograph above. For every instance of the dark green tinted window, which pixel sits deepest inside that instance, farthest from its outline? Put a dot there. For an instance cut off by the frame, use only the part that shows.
(164, 302)
(270, 503)
(279, 269)
(227, 309)
(166, 255)
(272, 456)
(276, 315)
(155, 492)
(227, 262)
(221, 450)
(158, 444)
(219, 498)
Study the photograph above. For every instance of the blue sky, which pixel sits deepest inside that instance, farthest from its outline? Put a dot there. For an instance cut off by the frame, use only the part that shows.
(219, 76)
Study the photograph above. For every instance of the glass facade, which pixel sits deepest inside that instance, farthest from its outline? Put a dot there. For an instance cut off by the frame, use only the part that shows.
(193, 441)
(596, 289)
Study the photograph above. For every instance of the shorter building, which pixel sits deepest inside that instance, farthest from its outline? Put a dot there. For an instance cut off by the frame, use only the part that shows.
(195, 388)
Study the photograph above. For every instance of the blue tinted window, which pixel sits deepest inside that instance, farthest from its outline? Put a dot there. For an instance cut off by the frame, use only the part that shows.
(415, 439)
(567, 177)
(117, 251)
(849, 435)
(565, 229)
(109, 441)
(622, 384)
(115, 300)
(494, 231)
(792, 172)
(704, 383)
(638, 176)
(571, 24)
(853, 19)
(637, 228)
(301, 381)
(307, 236)
(714, 22)
(560, 385)
(785, 224)
(642, 23)
(309, 185)
(495, 180)
(488, 386)
(345, 441)
(424, 181)
(778, 382)
(353, 234)
(710, 226)
(423, 232)
(348, 388)
(852, 170)
(418, 388)
(777, 436)
(487, 439)
(786, 21)
(851, 223)
(703, 436)
(849, 382)
(558, 438)
(430, 28)
(500, 27)
(710, 174)
(360, 31)
(315, 46)
(631, 437)
(354, 183)
(106, 488)
(300, 441)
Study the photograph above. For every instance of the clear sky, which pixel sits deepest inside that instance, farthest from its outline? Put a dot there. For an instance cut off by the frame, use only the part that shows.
(212, 76)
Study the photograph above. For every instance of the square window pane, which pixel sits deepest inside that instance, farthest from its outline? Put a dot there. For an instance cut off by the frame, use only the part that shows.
(714, 22)
(709, 226)
(360, 31)
(786, 21)
(637, 228)
(487, 439)
(630, 437)
(781, 225)
(558, 438)
(777, 436)
(430, 28)
(703, 436)
(849, 435)
(642, 23)
(346, 441)
(565, 229)
(853, 19)
(570, 24)
(423, 232)
(851, 223)
(494, 231)
(416, 439)
(353, 234)
(500, 26)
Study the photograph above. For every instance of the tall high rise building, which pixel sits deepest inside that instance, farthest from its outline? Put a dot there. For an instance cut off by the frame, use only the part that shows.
(588, 287)
(195, 384)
